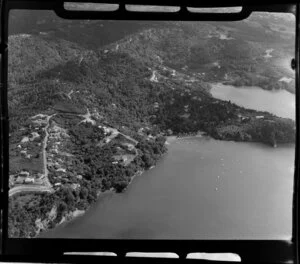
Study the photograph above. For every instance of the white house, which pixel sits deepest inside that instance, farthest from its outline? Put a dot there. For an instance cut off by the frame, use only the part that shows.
(24, 173)
(259, 117)
(29, 180)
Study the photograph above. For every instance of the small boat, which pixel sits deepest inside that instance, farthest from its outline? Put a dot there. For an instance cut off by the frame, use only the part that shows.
(216, 189)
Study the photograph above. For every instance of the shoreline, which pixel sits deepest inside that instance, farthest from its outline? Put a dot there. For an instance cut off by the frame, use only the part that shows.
(71, 216)
(169, 139)
(200, 134)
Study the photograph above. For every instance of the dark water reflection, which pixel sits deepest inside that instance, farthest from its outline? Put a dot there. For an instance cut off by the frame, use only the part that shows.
(204, 189)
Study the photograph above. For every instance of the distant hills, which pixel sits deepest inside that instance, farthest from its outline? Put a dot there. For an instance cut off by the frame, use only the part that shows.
(238, 49)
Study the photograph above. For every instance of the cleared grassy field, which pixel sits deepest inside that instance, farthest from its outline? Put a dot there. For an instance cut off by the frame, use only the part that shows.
(19, 163)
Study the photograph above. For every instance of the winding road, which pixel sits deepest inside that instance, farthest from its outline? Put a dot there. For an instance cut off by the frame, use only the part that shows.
(46, 172)
(29, 188)
(46, 186)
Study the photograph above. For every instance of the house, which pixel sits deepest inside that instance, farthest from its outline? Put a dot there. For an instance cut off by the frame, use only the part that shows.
(75, 186)
(24, 174)
(25, 139)
(130, 147)
(20, 180)
(25, 155)
(23, 152)
(150, 137)
(29, 180)
(41, 176)
(245, 119)
(34, 136)
(54, 150)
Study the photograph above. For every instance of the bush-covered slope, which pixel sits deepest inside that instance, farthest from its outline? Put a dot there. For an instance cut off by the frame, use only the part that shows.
(101, 116)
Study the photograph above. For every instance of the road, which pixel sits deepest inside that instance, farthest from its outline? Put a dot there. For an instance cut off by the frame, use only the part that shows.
(114, 133)
(129, 138)
(46, 186)
(46, 172)
(29, 188)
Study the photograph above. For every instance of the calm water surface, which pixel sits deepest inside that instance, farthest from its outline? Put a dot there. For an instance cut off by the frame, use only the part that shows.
(204, 189)
(280, 103)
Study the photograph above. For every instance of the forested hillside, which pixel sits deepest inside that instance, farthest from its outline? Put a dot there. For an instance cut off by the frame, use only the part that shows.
(85, 120)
